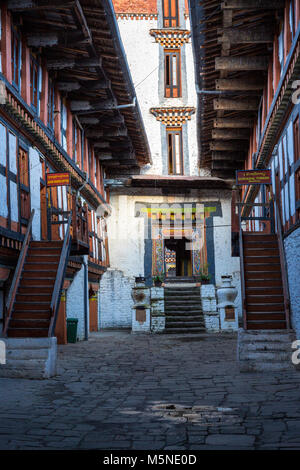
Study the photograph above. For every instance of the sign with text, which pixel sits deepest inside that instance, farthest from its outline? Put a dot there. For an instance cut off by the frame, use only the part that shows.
(58, 179)
(253, 177)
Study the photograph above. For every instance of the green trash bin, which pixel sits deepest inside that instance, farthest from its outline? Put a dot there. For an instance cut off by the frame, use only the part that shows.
(72, 329)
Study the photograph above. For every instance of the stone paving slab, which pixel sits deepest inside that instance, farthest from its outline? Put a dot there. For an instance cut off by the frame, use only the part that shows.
(130, 392)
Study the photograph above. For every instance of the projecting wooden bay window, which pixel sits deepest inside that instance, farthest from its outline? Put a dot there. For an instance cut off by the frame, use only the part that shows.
(175, 152)
(170, 13)
(172, 74)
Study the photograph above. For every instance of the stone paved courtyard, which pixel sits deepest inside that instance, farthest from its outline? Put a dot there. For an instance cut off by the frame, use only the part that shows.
(123, 391)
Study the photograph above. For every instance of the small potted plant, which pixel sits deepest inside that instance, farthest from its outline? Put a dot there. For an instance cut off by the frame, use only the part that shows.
(205, 278)
(158, 280)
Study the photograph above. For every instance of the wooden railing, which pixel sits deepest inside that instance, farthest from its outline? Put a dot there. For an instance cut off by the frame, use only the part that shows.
(60, 275)
(248, 208)
(283, 265)
(17, 275)
(243, 292)
(267, 217)
(79, 222)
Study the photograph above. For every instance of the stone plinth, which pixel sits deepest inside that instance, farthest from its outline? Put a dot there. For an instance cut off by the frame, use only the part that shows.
(209, 307)
(157, 309)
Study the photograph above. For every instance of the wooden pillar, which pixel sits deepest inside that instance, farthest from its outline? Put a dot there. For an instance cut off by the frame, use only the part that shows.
(264, 108)
(297, 12)
(69, 132)
(61, 323)
(85, 160)
(79, 149)
(58, 117)
(44, 96)
(276, 64)
(92, 169)
(287, 30)
(235, 225)
(270, 85)
(6, 43)
(93, 306)
(25, 73)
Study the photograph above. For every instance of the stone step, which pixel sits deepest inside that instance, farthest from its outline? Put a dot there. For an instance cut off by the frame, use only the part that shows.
(271, 335)
(26, 354)
(254, 366)
(30, 358)
(184, 318)
(263, 356)
(185, 302)
(183, 311)
(181, 298)
(185, 325)
(262, 346)
(184, 330)
(183, 287)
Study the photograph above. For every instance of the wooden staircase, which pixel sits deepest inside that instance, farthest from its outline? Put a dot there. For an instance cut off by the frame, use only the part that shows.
(31, 315)
(264, 296)
(34, 296)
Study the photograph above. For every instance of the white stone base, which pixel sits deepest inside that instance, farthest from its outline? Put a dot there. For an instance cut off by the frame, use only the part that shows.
(158, 324)
(226, 325)
(158, 321)
(139, 327)
(30, 358)
(212, 322)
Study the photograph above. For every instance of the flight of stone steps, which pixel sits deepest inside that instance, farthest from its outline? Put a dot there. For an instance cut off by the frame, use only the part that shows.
(268, 350)
(183, 309)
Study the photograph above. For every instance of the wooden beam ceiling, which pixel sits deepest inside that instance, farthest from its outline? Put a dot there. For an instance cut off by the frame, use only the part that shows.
(81, 48)
(234, 40)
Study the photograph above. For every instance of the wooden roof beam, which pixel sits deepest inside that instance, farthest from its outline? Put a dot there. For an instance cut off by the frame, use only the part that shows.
(240, 84)
(233, 123)
(83, 106)
(235, 105)
(227, 165)
(107, 133)
(246, 36)
(252, 4)
(72, 85)
(231, 134)
(108, 121)
(228, 146)
(25, 5)
(59, 64)
(239, 63)
(236, 156)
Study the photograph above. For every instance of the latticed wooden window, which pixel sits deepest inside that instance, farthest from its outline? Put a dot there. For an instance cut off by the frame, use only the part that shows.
(170, 13)
(297, 165)
(175, 152)
(172, 74)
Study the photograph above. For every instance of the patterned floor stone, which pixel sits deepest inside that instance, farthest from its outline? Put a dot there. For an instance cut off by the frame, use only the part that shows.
(123, 391)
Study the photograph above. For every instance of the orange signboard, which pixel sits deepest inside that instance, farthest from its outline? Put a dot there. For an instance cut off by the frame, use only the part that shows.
(253, 177)
(58, 179)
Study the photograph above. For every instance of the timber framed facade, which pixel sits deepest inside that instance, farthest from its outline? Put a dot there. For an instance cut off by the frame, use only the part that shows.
(68, 106)
(247, 56)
